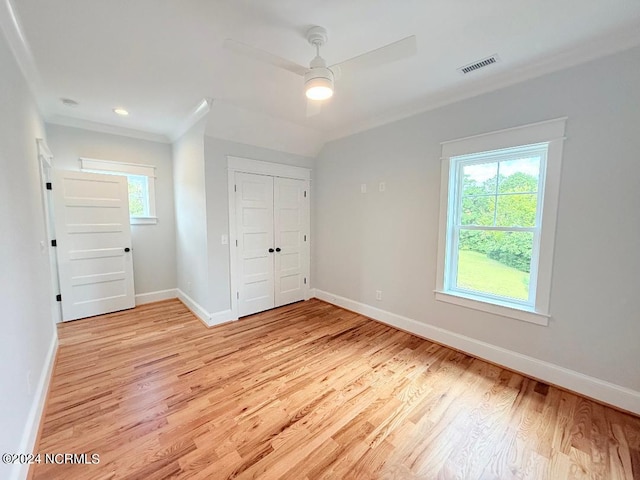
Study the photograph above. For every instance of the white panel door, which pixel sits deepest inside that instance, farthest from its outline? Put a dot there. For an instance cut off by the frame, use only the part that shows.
(254, 224)
(93, 243)
(290, 221)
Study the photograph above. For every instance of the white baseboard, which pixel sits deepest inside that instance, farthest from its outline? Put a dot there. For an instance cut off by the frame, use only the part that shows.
(209, 319)
(30, 434)
(223, 316)
(592, 387)
(143, 298)
(197, 309)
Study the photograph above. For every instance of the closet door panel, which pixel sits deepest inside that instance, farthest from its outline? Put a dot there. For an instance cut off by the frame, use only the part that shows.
(290, 219)
(254, 223)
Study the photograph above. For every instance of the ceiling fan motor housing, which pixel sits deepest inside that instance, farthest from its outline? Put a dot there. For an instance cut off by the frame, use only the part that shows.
(318, 70)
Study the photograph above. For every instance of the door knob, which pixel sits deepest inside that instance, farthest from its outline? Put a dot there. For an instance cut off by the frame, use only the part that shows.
(127, 249)
(278, 249)
(271, 250)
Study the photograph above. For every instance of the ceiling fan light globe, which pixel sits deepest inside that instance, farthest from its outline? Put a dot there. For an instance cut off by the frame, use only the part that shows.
(319, 92)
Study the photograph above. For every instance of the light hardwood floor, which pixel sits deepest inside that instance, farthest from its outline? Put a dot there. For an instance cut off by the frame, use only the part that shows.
(310, 391)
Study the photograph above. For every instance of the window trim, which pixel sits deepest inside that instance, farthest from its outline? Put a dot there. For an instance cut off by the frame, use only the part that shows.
(550, 132)
(110, 167)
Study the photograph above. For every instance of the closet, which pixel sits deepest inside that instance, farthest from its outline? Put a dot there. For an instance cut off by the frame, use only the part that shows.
(271, 219)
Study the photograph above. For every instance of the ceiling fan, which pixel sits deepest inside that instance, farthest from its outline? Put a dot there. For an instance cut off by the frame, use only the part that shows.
(318, 78)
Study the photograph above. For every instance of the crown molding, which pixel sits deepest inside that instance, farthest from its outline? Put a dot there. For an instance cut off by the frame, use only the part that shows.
(12, 28)
(104, 128)
(597, 48)
(197, 114)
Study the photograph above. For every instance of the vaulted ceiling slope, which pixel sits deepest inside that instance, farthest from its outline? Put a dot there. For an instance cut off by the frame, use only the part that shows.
(160, 58)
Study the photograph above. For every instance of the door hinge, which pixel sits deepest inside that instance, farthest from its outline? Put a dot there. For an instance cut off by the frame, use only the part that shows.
(305, 280)
(238, 295)
(235, 188)
(58, 298)
(305, 194)
(305, 238)
(236, 243)
(54, 243)
(49, 186)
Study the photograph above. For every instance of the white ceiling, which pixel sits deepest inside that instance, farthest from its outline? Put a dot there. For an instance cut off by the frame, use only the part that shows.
(160, 58)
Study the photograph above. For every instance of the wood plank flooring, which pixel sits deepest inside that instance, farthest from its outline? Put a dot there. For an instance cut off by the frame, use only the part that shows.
(309, 391)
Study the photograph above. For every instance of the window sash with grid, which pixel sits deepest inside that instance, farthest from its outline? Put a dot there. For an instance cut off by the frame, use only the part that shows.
(455, 220)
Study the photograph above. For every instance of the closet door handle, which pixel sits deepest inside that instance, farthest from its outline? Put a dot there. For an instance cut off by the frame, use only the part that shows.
(278, 249)
(271, 250)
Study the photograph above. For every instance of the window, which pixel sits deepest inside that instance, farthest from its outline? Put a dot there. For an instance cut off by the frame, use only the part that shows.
(141, 180)
(138, 195)
(497, 229)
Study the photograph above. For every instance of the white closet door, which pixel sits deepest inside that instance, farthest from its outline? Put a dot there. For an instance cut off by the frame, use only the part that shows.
(254, 221)
(93, 243)
(290, 211)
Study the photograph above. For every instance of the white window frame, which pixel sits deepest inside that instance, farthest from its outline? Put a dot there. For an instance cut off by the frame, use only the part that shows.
(549, 132)
(110, 167)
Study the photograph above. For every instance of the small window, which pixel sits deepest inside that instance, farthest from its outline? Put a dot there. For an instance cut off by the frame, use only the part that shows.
(141, 180)
(497, 231)
(138, 195)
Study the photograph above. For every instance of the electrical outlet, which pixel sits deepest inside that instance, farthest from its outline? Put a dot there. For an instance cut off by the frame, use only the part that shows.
(378, 295)
(363, 188)
(382, 186)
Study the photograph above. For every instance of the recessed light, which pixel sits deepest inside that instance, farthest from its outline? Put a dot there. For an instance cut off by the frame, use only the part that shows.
(121, 111)
(68, 102)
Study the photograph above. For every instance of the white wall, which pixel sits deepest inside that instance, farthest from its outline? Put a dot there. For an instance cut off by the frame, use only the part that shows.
(216, 152)
(28, 333)
(191, 220)
(154, 246)
(388, 241)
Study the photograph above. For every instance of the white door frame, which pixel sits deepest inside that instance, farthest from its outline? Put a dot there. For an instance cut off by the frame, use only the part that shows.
(45, 166)
(247, 165)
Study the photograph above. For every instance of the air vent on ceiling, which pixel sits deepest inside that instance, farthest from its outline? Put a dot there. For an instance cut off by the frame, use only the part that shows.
(485, 62)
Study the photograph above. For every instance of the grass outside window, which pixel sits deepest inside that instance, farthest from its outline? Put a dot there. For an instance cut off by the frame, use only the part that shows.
(482, 274)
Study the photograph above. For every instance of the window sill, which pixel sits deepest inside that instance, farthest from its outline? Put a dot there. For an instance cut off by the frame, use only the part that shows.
(143, 220)
(509, 311)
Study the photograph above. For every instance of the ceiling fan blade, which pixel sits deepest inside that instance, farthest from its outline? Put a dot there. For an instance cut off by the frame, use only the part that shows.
(314, 107)
(404, 48)
(263, 56)
(337, 72)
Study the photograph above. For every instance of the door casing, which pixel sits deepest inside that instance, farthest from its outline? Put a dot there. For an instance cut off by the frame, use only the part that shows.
(45, 159)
